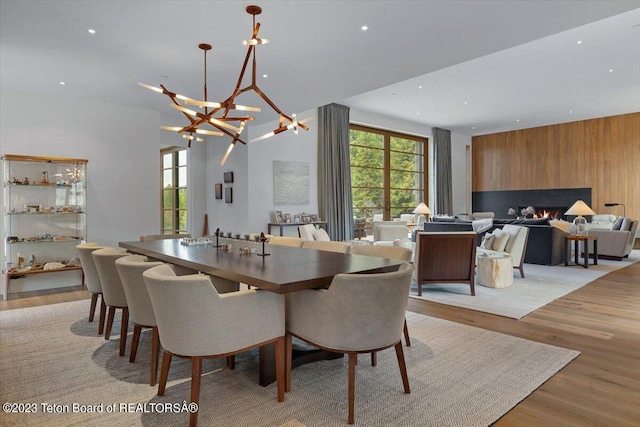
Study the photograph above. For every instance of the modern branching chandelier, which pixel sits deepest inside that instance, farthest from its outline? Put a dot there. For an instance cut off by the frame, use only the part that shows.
(216, 114)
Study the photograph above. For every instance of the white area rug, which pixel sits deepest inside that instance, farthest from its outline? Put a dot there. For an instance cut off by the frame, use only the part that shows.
(541, 285)
(459, 376)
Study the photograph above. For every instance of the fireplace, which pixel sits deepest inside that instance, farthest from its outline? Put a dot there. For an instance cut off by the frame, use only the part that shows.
(551, 212)
(554, 201)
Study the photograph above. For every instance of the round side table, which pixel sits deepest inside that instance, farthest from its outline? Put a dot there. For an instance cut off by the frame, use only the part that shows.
(495, 271)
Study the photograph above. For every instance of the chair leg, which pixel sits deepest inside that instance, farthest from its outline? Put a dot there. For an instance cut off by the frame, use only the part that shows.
(107, 332)
(196, 372)
(124, 329)
(155, 353)
(403, 367)
(521, 268)
(280, 366)
(92, 309)
(134, 343)
(164, 372)
(374, 358)
(419, 290)
(473, 289)
(352, 387)
(406, 334)
(231, 362)
(288, 344)
(103, 311)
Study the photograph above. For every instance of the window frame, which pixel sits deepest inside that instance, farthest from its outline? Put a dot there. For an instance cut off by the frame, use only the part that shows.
(175, 182)
(387, 135)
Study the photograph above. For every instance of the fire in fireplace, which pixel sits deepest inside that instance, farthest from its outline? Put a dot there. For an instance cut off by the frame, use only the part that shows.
(551, 212)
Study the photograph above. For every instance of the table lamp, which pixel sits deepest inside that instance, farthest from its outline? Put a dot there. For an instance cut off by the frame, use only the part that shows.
(580, 208)
(420, 212)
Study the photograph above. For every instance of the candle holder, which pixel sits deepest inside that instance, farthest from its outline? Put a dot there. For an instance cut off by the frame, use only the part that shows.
(263, 239)
(217, 245)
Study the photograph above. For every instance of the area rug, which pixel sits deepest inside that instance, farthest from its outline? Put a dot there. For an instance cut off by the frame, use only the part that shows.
(459, 376)
(541, 285)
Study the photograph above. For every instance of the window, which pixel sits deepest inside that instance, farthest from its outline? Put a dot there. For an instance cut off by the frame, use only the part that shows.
(173, 203)
(388, 176)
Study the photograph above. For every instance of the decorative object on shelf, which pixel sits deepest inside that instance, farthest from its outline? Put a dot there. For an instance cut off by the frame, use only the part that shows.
(422, 212)
(263, 239)
(228, 195)
(513, 212)
(624, 208)
(219, 191)
(580, 208)
(279, 217)
(45, 177)
(222, 122)
(228, 177)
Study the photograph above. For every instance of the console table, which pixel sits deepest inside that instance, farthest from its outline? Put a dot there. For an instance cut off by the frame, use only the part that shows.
(584, 239)
(322, 224)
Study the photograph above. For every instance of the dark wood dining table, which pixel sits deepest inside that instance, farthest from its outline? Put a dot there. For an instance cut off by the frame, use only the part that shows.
(285, 270)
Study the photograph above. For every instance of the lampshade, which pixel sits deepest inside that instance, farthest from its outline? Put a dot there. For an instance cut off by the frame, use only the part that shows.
(580, 208)
(422, 209)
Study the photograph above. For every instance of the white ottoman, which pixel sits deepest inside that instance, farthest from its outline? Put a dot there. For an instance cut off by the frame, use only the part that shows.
(495, 271)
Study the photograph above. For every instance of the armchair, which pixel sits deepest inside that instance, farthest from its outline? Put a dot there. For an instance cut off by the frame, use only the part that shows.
(359, 313)
(615, 244)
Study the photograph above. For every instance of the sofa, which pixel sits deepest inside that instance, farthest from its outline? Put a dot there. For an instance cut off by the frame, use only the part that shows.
(386, 232)
(545, 245)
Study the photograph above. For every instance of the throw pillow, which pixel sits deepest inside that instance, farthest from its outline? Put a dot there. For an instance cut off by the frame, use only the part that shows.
(487, 241)
(321, 234)
(502, 237)
(616, 225)
(561, 224)
(626, 225)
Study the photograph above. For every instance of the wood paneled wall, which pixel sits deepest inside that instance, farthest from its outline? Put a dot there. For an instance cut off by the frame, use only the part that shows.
(603, 154)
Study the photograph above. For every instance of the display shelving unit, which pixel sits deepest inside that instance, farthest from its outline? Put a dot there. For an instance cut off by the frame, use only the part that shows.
(44, 215)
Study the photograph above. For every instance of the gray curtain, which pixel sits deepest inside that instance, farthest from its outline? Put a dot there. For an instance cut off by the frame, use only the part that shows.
(334, 171)
(442, 158)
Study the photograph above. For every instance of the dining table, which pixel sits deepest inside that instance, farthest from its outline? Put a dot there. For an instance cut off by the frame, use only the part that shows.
(273, 268)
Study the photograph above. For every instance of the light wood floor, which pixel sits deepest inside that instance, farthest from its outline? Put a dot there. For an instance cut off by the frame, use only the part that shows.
(602, 320)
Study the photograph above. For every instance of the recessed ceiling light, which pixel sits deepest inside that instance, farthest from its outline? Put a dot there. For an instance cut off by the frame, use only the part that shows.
(518, 120)
(465, 102)
(611, 70)
(62, 83)
(473, 127)
(579, 42)
(364, 28)
(418, 113)
(570, 111)
(91, 31)
(419, 87)
(265, 76)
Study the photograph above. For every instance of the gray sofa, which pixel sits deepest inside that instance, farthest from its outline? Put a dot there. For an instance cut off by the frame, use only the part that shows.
(615, 244)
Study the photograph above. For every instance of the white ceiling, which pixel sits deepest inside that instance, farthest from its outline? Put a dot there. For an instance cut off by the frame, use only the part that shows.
(509, 60)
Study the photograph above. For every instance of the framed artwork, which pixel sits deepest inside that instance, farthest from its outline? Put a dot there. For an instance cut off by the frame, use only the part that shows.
(279, 217)
(228, 177)
(296, 219)
(287, 218)
(218, 191)
(228, 195)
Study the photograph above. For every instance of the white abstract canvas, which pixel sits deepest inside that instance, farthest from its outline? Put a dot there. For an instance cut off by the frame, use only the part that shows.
(290, 183)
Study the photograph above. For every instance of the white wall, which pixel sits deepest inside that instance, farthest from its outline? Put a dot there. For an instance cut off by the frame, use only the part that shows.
(121, 144)
(458, 166)
(287, 147)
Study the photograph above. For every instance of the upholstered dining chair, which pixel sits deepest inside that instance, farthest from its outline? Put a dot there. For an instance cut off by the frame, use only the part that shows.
(92, 281)
(130, 269)
(112, 290)
(196, 322)
(376, 304)
(326, 245)
(295, 242)
(391, 252)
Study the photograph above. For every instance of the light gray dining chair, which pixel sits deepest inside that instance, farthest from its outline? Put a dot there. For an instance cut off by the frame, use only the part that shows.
(130, 269)
(112, 290)
(196, 322)
(359, 313)
(326, 245)
(390, 252)
(295, 242)
(92, 280)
